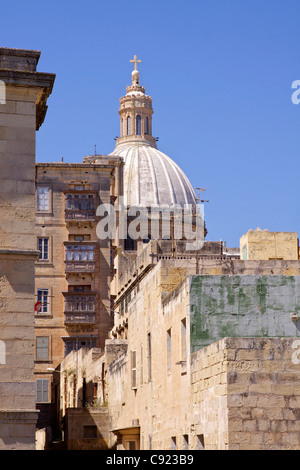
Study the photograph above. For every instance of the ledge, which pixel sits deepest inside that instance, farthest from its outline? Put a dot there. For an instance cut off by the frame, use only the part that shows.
(28, 416)
(21, 253)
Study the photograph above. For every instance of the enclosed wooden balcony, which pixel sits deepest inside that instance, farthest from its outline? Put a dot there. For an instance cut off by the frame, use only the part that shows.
(80, 257)
(80, 206)
(79, 308)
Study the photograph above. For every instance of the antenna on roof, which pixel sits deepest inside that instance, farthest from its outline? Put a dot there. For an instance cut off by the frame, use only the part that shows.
(198, 198)
(95, 150)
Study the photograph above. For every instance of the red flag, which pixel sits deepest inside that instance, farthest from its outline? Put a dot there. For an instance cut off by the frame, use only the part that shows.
(37, 307)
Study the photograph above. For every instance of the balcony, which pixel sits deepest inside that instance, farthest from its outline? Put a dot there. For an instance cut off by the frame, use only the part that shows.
(80, 258)
(79, 309)
(80, 207)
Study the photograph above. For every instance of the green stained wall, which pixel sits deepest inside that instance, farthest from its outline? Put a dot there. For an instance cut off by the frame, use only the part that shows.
(241, 306)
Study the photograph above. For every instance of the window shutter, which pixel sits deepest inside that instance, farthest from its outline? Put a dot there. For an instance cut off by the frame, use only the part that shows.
(42, 390)
(45, 390)
(39, 390)
(133, 370)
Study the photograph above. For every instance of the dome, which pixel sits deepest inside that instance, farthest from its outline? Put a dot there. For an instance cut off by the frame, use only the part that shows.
(152, 178)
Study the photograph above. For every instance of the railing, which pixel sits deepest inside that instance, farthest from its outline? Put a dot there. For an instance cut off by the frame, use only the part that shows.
(76, 214)
(195, 256)
(80, 267)
(80, 317)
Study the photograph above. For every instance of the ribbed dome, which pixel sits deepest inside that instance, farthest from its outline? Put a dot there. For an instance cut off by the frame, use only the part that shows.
(152, 178)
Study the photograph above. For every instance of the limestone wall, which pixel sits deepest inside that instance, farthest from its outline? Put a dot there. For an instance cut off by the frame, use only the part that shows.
(245, 394)
(243, 305)
(262, 245)
(20, 116)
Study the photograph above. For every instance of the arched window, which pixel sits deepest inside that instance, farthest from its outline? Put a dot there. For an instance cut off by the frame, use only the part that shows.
(146, 126)
(138, 125)
(128, 125)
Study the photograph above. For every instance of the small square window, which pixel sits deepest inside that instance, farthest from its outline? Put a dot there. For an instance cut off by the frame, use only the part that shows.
(89, 432)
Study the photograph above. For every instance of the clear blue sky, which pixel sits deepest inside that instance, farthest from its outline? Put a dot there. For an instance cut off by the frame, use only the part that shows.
(219, 73)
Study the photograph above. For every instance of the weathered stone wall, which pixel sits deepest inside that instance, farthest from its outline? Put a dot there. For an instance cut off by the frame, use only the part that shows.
(243, 305)
(245, 394)
(263, 245)
(87, 428)
(20, 116)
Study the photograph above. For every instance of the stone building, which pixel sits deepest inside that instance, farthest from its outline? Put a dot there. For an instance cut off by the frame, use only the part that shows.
(206, 361)
(22, 111)
(203, 350)
(73, 270)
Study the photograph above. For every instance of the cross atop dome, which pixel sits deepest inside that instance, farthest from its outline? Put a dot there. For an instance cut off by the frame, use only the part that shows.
(135, 60)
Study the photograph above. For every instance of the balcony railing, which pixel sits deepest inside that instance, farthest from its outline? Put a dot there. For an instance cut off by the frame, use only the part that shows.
(80, 267)
(79, 317)
(79, 214)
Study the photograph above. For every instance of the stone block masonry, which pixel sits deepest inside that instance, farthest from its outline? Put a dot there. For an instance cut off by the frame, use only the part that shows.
(246, 394)
(21, 115)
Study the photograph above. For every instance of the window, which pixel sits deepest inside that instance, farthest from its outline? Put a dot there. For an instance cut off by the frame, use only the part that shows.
(80, 252)
(169, 351)
(78, 343)
(43, 300)
(42, 390)
(138, 125)
(80, 303)
(80, 202)
(142, 365)
(2, 353)
(43, 193)
(78, 238)
(133, 370)
(147, 126)
(130, 445)
(128, 125)
(149, 356)
(89, 432)
(183, 339)
(128, 244)
(86, 288)
(43, 247)
(42, 348)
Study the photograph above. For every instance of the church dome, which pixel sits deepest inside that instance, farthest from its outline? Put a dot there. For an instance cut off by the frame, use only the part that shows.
(150, 176)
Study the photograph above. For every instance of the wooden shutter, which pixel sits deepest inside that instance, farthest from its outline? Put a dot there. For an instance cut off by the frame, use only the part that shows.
(133, 370)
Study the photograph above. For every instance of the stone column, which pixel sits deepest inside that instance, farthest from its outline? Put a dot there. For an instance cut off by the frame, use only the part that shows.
(22, 111)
